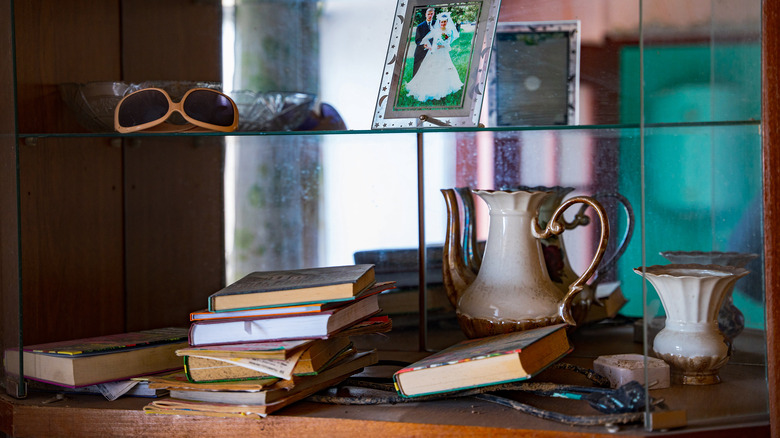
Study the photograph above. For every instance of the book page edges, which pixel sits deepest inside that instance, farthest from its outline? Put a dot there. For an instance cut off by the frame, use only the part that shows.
(287, 296)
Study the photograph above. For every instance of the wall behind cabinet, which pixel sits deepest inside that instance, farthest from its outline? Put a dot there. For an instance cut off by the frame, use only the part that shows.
(71, 190)
(173, 187)
(116, 235)
(9, 244)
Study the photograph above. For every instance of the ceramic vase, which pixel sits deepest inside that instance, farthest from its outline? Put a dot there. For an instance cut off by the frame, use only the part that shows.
(691, 295)
(731, 321)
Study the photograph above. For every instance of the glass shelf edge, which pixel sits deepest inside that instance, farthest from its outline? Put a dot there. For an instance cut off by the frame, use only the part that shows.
(426, 130)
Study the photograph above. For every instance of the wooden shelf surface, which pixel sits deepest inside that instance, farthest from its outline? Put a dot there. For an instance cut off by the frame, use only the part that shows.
(736, 407)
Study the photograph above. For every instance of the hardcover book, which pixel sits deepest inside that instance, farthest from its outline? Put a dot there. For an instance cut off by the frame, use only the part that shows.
(296, 286)
(288, 310)
(109, 343)
(279, 350)
(179, 380)
(318, 325)
(485, 361)
(204, 368)
(282, 390)
(175, 406)
(89, 361)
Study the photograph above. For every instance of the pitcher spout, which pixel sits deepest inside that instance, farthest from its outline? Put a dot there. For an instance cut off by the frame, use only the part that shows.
(456, 274)
(472, 251)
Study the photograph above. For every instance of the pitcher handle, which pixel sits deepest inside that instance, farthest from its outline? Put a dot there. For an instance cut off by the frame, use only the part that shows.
(581, 219)
(555, 227)
(622, 245)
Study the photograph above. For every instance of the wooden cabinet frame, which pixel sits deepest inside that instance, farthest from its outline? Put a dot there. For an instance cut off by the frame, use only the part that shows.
(770, 131)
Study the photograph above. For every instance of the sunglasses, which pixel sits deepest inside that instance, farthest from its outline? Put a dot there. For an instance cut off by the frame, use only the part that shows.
(149, 108)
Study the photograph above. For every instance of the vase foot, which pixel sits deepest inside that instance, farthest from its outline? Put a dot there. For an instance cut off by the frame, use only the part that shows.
(698, 370)
(703, 378)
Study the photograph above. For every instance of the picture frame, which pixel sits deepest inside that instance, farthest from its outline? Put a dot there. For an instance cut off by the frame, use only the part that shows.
(450, 84)
(535, 74)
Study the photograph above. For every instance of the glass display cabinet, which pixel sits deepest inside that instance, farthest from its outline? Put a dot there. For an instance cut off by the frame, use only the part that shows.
(665, 111)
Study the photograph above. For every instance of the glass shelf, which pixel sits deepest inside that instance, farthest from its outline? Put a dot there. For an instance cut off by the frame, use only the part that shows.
(631, 126)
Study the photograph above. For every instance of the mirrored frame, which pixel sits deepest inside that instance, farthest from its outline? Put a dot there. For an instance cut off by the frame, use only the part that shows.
(535, 74)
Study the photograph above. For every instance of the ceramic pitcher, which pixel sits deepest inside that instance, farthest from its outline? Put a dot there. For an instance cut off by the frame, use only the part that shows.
(512, 290)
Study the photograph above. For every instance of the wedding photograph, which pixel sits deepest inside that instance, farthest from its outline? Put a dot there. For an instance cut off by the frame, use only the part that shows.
(438, 56)
(436, 64)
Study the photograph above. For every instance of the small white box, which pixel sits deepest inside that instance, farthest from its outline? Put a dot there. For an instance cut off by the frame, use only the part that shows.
(623, 368)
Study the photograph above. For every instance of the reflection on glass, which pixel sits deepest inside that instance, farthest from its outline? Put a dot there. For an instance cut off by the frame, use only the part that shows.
(321, 200)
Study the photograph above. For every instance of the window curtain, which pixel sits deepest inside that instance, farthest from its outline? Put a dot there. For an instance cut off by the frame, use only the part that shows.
(274, 179)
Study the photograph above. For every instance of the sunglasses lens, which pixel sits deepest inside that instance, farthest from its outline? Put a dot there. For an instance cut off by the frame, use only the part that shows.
(141, 107)
(209, 107)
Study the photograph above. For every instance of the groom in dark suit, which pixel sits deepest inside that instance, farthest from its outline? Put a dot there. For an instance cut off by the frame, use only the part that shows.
(422, 47)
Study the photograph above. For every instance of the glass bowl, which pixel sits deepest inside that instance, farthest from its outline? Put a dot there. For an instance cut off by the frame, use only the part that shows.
(93, 103)
(271, 111)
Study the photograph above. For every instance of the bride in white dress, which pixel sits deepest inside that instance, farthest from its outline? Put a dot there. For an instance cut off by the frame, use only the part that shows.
(437, 76)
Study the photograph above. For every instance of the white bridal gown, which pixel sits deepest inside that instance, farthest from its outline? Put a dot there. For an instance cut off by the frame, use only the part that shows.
(437, 76)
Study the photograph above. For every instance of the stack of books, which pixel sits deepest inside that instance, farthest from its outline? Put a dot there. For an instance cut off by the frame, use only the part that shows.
(272, 338)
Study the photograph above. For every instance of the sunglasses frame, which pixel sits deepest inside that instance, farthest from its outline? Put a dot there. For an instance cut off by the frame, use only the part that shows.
(159, 125)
